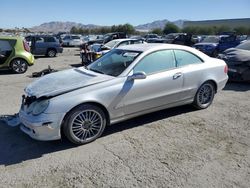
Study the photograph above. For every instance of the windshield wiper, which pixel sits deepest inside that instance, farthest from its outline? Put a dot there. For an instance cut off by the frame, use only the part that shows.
(94, 70)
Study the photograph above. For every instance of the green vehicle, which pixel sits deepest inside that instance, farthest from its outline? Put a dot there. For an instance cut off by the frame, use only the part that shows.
(15, 54)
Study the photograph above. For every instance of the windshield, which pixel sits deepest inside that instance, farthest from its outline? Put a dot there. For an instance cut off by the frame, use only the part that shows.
(244, 46)
(114, 62)
(111, 44)
(211, 39)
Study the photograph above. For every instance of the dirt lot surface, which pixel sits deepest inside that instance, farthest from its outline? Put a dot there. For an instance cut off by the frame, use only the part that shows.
(179, 147)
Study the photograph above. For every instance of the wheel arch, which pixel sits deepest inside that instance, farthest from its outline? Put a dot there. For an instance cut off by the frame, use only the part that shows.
(18, 57)
(102, 107)
(213, 82)
(51, 48)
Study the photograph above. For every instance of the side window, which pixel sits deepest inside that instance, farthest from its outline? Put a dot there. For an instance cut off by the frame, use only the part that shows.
(5, 46)
(186, 58)
(39, 39)
(228, 39)
(156, 62)
(49, 39)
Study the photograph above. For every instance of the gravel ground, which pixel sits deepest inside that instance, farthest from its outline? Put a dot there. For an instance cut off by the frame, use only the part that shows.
(178, 147)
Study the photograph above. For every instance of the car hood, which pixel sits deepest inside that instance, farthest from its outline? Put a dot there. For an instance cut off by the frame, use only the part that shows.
(206, 44)
(64, 81)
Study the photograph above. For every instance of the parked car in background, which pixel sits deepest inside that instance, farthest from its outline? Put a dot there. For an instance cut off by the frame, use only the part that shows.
(15, 54)
(156, 40)
(71, 40)
(44, 45)
(117, 43)
(88, 38)
(174, 38)
(107, 37)
(171, 37)
(126, 82)
(238, 61)
(196, 38)
(59, 36)
(151, 36)
(213, 45)
(179, 38)
(97, 50)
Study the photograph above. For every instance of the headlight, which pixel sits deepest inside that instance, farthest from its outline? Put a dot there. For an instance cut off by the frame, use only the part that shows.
(40, 107)
(30, 108)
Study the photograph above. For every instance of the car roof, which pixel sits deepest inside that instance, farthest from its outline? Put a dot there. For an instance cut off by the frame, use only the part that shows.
(127, 39)
(42, 36)
(10, 37)
(150, 46)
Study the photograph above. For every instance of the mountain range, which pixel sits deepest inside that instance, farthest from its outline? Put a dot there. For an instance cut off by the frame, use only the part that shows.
(158, 24)
(57, 26)
(60, 27)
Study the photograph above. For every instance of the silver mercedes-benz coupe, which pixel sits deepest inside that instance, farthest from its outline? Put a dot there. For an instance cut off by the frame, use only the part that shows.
(126, 82)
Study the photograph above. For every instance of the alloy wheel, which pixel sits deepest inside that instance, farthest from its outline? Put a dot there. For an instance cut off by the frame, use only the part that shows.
(51, 53)
(205, 94)
(87, 125)
(19, 66)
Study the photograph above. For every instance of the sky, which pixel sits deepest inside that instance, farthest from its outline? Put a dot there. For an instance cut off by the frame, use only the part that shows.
(29, 13)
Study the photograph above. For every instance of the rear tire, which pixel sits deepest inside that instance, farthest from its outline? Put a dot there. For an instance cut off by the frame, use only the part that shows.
(84, 124)
(19, 66)
(51, 53)
(204, 96)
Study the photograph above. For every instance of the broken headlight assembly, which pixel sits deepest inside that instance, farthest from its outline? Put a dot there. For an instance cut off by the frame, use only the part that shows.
(40, 106)
(33, 105)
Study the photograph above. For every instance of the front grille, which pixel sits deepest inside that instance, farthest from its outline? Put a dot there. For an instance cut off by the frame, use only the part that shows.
(28, 100)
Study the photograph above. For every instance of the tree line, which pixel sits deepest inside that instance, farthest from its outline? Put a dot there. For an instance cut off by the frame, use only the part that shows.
(127, 28)
(201, 30)
(169, 28)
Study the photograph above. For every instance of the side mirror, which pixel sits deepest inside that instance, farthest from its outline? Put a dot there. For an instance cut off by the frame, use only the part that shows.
(138, 75)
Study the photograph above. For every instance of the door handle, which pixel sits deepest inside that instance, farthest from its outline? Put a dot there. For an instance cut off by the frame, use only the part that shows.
(177, 75)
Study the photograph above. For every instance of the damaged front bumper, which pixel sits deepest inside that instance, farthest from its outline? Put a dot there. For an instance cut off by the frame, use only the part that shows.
(42, 127)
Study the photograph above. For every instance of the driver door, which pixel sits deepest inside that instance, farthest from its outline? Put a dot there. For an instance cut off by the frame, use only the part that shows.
(5, 51)
(162, 86)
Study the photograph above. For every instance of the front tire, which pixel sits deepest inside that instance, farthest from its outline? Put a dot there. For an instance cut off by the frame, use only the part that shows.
(84, 124)
(19, 66)
(204, 96)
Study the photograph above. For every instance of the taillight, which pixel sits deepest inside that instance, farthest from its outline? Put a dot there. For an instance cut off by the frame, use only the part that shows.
(26, 46)
(226, 69)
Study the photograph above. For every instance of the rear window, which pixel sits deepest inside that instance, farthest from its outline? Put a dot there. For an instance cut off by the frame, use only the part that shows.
(5, 46)
(75, 37)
